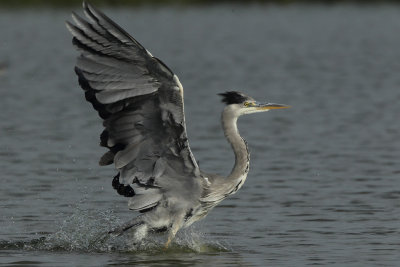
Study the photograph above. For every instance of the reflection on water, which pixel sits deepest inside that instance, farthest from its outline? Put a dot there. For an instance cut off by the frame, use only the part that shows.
(323, 186)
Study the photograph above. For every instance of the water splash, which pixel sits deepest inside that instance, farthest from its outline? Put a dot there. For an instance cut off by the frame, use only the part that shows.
(87, 231)
(84, 230)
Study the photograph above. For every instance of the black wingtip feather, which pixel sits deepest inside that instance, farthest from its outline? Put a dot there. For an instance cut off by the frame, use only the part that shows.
(124, 190)
(117, 147)
(104, 138)
(83, 83)
(90, 94)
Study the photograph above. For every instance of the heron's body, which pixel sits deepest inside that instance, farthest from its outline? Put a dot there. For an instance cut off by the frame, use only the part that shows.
(141, 103)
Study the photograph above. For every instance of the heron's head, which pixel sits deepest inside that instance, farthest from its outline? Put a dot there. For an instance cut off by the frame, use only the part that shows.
(241, 104)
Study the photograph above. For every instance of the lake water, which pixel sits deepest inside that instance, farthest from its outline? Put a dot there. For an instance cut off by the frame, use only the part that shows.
(324, 182)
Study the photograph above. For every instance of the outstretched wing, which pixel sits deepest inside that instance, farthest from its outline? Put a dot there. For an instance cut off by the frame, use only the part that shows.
(141, 102)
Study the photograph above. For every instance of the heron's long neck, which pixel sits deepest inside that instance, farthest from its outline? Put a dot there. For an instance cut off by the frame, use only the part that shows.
(239, 146)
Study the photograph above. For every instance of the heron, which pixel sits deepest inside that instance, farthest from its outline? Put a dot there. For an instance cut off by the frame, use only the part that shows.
(140, 101)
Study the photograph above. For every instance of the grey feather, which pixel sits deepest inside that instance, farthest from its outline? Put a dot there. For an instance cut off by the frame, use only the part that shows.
(110, 66)
(144, 201)
(130, 136)
(90, 66)
(107, 158)
(93, 77)
(142, 86)
(159, 168)
(112, 96)
(106, 23)
(124, 81)
(124, 157)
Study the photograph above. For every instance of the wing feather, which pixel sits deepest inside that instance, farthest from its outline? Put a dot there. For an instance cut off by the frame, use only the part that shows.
(141, 102)
(124, 157)
(112, 96)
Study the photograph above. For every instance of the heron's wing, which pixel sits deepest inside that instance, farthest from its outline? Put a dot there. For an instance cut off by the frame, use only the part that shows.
(141, 102)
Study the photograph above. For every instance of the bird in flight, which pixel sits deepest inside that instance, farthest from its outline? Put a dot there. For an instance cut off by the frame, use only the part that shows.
(140, 101)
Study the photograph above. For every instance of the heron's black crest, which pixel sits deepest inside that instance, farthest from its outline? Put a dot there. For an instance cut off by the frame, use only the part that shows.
(233, 97)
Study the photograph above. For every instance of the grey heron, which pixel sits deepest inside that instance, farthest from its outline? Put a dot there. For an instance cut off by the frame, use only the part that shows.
(141, 103)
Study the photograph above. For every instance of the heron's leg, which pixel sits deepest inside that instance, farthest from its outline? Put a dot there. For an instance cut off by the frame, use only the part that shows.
(126, 226)
(171, 237)
(173, 230)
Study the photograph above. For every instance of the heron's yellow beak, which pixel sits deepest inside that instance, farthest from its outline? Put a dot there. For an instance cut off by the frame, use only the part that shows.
(269, 106)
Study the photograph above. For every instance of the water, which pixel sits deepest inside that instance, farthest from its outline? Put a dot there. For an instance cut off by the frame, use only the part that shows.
(324, 183)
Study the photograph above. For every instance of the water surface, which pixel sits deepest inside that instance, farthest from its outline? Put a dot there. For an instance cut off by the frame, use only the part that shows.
(324, 183)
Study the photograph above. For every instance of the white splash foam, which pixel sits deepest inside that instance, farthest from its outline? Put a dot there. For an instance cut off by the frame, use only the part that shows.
(87, 230)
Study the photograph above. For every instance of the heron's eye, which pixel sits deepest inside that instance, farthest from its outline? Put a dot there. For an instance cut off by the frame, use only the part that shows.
(248, 104)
